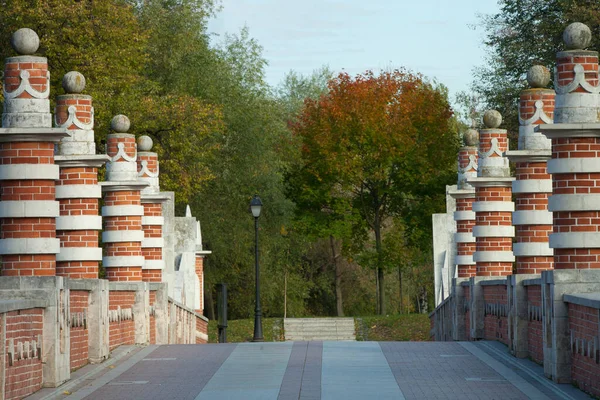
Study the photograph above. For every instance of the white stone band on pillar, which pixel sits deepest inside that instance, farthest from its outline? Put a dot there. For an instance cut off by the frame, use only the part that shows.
(493, 206)
(121, 171)
(493, 256)
(464, 215)
(22, 172)
(573, 165)
(574, 202)
(532, 249)
(122, 236)
(78, 192)
(79, 254)
(153, 221)
(464, 237)
(17, 106)
(532, 217)
(29, 209)
(122, 211)
(123, 261)
(153, 242)
(79, 223)
(532, 186)
(154, 264)
(464, 260)
(506, 231)
(575, 240)
(30, 246)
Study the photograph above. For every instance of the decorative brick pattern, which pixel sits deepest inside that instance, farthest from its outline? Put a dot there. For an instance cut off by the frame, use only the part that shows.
(535, 339)
(121, 331)
(496, 322)
(467, 294)
(78, 301)
(584, 324)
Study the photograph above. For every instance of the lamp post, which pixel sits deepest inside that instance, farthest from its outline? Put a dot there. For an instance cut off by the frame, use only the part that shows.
(255, 207)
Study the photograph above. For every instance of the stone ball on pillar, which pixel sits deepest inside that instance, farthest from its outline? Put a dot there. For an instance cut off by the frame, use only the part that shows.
(577, 36)
(492, 119)
(538, 76)
(120, 123)
(144, 143)
(73, 82)
(25, 41)
(471, 137)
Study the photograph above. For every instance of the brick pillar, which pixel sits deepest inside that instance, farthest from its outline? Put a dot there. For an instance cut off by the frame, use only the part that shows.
(464, 215)
(533, 185)
(200, 256)
(575, 163)
(122, 211)
(77, 189)
(493, 207)
(152, 221)
(28, 209)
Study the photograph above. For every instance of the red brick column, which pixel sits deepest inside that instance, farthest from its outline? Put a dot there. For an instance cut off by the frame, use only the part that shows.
(533, 185)
(200, 256)
(493, 205)
(78, 189)
(464, 215)
(153, 221)
(575, 163)
(28, 209)
(122, 211)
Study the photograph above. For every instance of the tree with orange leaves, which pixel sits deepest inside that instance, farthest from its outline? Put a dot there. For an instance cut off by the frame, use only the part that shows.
(378, 143)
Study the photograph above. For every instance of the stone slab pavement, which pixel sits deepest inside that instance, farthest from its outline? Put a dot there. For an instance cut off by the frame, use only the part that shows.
(313, 371)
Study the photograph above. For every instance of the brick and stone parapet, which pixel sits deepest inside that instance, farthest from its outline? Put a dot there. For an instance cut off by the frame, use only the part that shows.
(122, 211)
(533, 184)
(153, 221)
(464, 215)
(28, 207)
(575, 165)
(493, 206)
(78, 190)
(199, 265)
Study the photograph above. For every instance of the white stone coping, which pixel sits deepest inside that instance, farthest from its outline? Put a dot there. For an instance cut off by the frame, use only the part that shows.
(564, 130)
(532, 186)
(537, 155)
(154, 198)
(573, 165)
(574, 202)
(464, 215)
(78, 222)
(8, 305)
(30, 246)
(493, 256)
(151, 242)
(122, 236)
(486, 231)
(461, 193)
(153, 221)
(591, 300)
(494, 282)
(493, 206)
(78, 192)
(464, 237)
(154, 264)
(87, 160)
(32, 134)
(575, 240)
(464, 260)
(120, 186)
(29, 209)
(29, 171)
(79, 254)
(491, 181)
(122, 211)
(123, 261)
(532, 249)
(532, 217)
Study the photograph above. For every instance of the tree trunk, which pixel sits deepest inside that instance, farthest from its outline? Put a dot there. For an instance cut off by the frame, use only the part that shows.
(401, 310)
(338, 279)
(381, 294)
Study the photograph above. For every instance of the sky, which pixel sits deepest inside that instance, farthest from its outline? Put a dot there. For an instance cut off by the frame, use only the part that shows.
(440, 39)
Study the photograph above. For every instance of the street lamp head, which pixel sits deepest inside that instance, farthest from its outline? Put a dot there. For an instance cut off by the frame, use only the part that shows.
(255, 206)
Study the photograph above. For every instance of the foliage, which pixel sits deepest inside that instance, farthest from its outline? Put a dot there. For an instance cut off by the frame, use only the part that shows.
(242, 330)
(404, 327)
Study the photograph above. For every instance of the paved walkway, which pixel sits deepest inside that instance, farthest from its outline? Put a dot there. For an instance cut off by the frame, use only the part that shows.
(314, 371)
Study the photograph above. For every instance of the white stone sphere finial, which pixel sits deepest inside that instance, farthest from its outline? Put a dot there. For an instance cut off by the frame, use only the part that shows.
(144, 143)
(577, 36)
(25, 41)
(73, 82)
(492, 119)
(471, 137)
(120, 123)
(538, 76)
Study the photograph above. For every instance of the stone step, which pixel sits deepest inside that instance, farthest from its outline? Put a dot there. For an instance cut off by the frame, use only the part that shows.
(325, 329)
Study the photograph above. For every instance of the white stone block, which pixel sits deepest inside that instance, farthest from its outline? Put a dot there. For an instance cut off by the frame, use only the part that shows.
(29, 171)
(153, 221)
(78, 192)
(532, 249)
(573, 165)
(575, 240)
(122, 236)
(464, 237)
(464, 215)
(153, 242)
(464, 260)
(78, 222)
(493, 231)
(532, 217)
(29, 209)
(154, 264)
(532, 186)
(123, 261)
(493, 256)
(121, 211)
(491, 206)
(30, 246)
(574, 202)
(79, 254)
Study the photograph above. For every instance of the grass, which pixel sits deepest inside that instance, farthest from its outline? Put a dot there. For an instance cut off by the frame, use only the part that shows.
(405, 327)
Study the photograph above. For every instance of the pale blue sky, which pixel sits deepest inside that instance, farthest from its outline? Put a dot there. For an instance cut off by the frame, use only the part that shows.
(437, 38)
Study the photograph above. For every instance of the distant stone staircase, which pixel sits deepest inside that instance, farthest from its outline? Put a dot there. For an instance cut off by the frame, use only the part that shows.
(310, 329)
